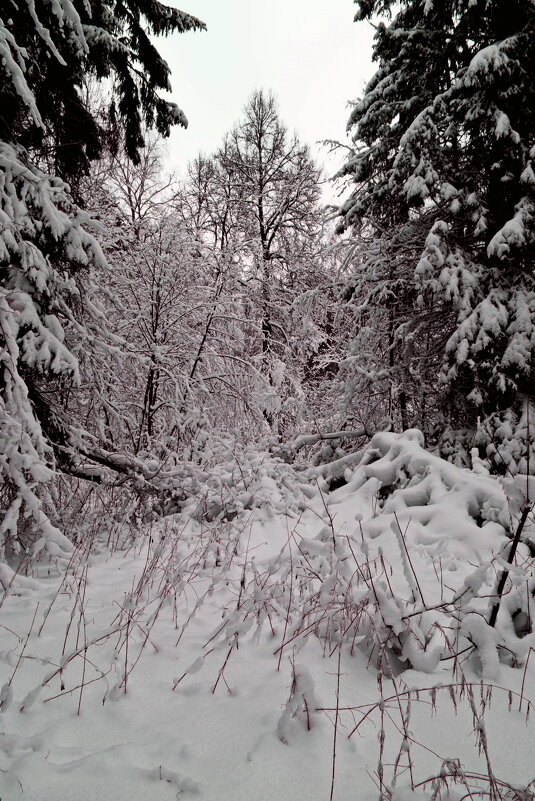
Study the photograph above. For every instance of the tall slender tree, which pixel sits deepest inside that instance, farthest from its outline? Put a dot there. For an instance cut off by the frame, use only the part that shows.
(274, 194)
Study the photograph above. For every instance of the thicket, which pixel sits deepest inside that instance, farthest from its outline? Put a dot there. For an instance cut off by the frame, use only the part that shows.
(143, 316)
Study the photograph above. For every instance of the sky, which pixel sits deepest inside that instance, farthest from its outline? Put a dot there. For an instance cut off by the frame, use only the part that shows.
(310, 53)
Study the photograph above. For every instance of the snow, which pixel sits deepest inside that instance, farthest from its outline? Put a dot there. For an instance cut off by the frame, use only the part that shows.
(486, 62)
(504, 129)
(13, 59)
(528, 176)
(514, 234)
(484, 637)
(31, 203)
(218, 659)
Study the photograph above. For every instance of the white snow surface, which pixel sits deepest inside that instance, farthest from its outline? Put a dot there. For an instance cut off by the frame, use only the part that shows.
(205, 659)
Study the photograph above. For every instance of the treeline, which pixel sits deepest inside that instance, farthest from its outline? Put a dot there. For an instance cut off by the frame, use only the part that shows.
(140, 315)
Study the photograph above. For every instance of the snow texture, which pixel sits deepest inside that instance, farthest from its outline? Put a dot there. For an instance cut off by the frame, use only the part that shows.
(210, 658)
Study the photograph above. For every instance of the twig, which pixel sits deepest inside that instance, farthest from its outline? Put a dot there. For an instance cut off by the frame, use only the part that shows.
(336, 720)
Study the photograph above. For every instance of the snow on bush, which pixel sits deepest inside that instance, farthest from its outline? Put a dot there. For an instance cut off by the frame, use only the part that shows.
(429, 542)
(258, 604)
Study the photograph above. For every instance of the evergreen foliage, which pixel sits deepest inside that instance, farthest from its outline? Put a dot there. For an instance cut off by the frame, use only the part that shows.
(445, 134)
(49, 317)
(50, 51)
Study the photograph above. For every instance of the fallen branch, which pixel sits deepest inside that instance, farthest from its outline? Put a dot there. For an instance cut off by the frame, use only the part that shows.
(304, 440)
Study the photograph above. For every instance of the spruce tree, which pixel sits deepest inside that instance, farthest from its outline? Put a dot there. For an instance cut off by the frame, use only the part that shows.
(445, 134)
(51, 51)
(50, 319)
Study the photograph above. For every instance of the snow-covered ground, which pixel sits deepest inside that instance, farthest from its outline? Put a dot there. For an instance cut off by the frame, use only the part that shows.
(279, 655)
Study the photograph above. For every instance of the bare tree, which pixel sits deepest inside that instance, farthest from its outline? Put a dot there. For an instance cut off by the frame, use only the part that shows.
(257, 201)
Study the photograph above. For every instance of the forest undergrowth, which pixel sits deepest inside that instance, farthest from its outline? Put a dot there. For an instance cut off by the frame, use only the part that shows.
(379, 634)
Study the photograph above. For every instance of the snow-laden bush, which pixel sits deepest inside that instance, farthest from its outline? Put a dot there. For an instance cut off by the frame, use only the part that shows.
(414, 581)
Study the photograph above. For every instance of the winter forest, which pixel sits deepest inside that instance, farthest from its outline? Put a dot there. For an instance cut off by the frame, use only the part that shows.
(267, 462)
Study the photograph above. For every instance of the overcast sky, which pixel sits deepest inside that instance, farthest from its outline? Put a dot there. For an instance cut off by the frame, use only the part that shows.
(309, 52)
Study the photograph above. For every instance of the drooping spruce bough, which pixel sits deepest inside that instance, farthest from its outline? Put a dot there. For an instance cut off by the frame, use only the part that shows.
(444, 144)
